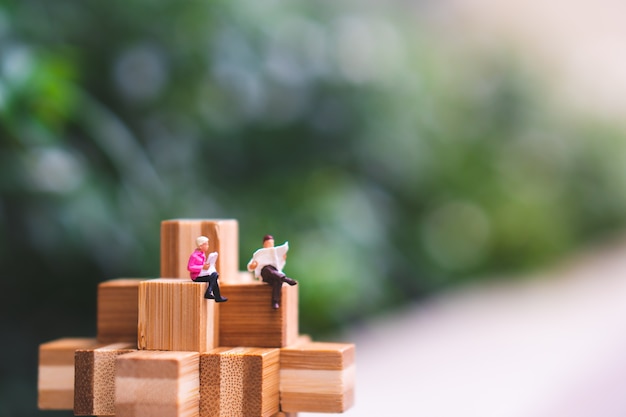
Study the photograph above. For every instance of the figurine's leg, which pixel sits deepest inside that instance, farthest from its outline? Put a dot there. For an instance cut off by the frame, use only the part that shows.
(214, 286)
(208, 294)
(276, 285)
(288, 280)
(276, 293)
(274, 278)
(212, 280)
(209, 290)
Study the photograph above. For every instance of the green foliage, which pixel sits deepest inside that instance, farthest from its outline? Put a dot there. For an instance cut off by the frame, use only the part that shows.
(333, 127)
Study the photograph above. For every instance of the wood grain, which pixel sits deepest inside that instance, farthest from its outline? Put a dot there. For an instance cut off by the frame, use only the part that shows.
(157, 383)
(174, 315)
(317, 377)
(239, 382)
(55, 383)
(118, 310)
(178, 241)
(248, 319)
(94, 382)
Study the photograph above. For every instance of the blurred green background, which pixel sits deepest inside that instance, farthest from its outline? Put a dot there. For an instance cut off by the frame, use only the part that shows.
(394, 165)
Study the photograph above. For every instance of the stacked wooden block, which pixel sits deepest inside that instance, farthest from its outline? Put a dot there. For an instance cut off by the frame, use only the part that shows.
(158, 383)
(56, 372)
(317, 377)
(239, 382)
(178, 241)
(163, 349)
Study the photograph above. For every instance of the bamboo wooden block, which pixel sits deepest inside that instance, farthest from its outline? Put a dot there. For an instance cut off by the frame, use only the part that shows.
(157, 383)
(178, 239)
(182, 367)
(300, 340)
(317, 377)
(239, 382)
(94, 381)
(56, 372)
(174, 315)
(117, 310)
(248, 319)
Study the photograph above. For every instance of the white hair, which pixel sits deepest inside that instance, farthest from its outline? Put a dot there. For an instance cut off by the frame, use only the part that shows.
(200, 240)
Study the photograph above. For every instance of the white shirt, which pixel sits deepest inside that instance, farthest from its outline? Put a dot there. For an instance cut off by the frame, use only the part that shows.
(274, 256)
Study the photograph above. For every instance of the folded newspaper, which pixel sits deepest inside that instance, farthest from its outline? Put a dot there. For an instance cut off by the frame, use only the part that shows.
(211, 259)
(270, 256)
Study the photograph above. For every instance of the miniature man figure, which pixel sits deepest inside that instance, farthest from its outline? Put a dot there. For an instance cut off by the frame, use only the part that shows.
(202, 269)
(267, 263)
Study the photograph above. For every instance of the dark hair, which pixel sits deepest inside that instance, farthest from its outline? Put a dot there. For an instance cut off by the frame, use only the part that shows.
(268, 237)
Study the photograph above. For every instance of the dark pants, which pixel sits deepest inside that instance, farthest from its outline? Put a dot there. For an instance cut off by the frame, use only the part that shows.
(213, 290)
(275, 278)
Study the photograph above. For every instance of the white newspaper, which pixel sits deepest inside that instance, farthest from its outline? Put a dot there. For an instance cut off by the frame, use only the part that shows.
(274, 256)
(211, 261)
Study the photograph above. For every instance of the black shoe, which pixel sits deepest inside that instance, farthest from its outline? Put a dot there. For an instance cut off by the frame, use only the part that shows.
(221, 300)
(290, 281)
(209, 297)
(275, 306)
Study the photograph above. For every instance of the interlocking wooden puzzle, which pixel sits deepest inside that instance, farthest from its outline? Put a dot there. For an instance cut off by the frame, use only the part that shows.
(203, 340)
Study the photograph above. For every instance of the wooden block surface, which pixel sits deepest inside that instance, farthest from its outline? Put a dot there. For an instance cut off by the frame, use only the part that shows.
(308, 354)
(94, 380)
(174, 315)
(239, 382)
(157, 383)
(55, 382)
(118, 310)
(317, 377)
(300, 340)
(248, 319)
(178, 241)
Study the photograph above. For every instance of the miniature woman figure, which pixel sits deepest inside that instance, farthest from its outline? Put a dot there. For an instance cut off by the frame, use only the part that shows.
(202, 269)
(268, 263)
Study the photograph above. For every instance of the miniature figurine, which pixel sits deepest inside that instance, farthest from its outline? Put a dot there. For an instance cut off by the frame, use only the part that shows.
(268, 263)
(202, 269)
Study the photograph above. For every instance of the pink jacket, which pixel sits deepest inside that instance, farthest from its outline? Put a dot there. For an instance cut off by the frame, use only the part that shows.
(195, 264)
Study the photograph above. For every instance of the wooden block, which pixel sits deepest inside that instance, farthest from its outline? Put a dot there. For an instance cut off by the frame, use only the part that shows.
(301, 340)
(178, 241)
(244, 277)
(248, 319)
(317, 377)
(56, 372)
(157, 383)
(94, 381)
(118, 310)
(239, 382)
(174, 315)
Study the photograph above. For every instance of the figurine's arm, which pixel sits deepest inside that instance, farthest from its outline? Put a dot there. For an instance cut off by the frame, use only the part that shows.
(195, 264)
(252, 265)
